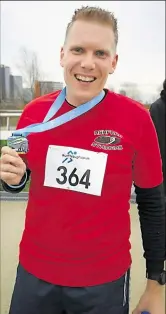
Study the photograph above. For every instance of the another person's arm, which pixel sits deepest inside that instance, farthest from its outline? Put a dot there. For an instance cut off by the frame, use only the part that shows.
(148, 180)
(158, 115)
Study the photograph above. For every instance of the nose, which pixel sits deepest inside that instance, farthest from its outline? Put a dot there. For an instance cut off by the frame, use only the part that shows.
(88, 62)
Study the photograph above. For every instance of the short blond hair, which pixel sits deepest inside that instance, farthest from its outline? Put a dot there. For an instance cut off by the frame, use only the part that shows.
(87, 13)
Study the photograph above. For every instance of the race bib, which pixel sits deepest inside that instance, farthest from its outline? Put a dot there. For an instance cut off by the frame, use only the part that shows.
(75, 169)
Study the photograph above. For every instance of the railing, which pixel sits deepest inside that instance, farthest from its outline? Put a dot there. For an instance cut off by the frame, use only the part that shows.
(6, 125)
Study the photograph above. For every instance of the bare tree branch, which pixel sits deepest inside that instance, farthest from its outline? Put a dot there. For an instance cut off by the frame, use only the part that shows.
(30, 69)
(131, 90)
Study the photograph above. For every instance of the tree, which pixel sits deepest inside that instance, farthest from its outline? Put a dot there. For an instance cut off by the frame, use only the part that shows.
(30, 69)
(122, 92)
(131, 90)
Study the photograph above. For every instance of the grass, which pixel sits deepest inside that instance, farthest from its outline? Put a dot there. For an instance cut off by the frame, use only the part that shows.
(26, 189)
(2, 143)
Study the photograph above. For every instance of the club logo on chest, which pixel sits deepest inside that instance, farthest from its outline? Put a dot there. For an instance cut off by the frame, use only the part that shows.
(107, 140)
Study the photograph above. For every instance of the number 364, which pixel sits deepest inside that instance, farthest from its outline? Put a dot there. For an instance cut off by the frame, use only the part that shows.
(73, 178)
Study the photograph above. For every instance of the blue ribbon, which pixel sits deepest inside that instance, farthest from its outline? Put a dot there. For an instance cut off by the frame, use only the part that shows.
(64, 118)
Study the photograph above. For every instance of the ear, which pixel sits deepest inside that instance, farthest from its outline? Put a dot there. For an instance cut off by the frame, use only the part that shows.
(113, 64)
(62, 57)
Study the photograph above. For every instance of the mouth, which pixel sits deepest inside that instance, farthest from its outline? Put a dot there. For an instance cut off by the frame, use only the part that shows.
(85, 79)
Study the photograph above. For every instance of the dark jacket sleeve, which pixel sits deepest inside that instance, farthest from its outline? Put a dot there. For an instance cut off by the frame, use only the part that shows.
(17, 188)
(151, 207)
(158, 114)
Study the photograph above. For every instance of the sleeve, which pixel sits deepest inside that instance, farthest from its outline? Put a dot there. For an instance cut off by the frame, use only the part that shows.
(152, 110)
(17, 188)
(147, 163)
(151, 209)
(158, 115)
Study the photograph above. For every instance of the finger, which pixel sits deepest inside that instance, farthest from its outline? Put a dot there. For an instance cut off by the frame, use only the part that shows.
(12, 169)
(14, 160)
(9, 151)
(8, 177)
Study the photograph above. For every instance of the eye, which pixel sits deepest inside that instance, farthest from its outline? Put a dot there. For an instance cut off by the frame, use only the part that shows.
(77, 50)
(100, 53)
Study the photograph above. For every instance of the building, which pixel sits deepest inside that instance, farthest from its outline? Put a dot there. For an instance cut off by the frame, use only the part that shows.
(16, 87)
(47, 87)
(11, 86)
(4, 83)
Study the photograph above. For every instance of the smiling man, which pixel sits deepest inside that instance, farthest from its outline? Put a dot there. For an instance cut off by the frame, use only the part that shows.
(89, 59)
(75, 249)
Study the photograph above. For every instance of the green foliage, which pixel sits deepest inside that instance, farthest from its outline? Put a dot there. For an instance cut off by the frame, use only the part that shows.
(2, 143)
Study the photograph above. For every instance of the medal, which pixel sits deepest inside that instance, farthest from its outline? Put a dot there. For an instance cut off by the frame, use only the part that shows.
(18, 140)
(18, 143)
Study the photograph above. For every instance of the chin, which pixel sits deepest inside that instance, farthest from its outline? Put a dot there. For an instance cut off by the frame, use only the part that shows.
(85, 94)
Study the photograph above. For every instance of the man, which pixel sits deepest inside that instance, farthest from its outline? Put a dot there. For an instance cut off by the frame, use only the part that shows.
(158, 112)
(75, 250)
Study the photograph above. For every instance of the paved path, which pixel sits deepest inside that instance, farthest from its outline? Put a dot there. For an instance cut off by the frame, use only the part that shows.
(12, 223)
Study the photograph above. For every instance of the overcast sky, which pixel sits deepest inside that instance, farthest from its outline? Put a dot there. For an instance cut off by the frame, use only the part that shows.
(40, 26)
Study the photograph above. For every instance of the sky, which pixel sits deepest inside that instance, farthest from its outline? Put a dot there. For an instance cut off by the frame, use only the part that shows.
(40, 26)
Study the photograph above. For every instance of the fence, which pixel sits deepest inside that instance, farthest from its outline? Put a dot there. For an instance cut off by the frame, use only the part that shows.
(8, 121)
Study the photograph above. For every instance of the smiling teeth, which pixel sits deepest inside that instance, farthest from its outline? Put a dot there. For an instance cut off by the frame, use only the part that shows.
(85, 78)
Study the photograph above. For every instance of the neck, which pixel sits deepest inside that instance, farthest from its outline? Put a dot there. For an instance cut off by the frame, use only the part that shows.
(76, 100)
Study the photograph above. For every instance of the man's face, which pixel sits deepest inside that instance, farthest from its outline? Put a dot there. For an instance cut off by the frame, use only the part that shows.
(87, 58)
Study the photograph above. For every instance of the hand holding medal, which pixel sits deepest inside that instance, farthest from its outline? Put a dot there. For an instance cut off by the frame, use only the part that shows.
(12, 167)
